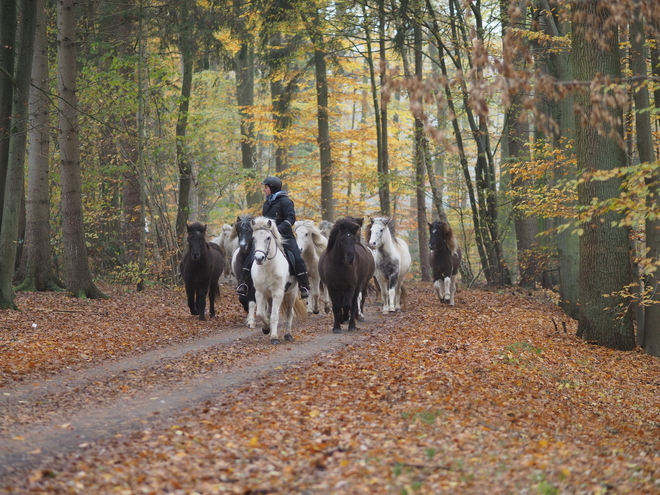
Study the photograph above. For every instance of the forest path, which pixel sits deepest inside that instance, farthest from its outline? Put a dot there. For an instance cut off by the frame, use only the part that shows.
(76, 408)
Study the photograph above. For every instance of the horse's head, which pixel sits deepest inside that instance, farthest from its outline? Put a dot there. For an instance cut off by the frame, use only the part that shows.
(244, 232)
(347, 234)
(438, 233)
(196, 239)
(378, 231)
(266, 237)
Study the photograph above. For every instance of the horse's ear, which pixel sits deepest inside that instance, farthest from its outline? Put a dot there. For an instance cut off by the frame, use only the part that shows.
(270, 223)
(252, 223)
(359, 221)
(238, 219)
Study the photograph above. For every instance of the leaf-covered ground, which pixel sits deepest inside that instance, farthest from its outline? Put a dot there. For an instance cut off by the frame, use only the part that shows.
(484, 397)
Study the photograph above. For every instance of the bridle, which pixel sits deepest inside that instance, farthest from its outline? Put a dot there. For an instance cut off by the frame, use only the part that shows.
(265, 253)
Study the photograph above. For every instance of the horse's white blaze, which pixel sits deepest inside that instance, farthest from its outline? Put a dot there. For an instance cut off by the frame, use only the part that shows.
(392, 263)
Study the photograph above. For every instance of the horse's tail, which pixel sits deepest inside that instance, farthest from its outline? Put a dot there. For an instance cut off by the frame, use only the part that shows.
(300, 309)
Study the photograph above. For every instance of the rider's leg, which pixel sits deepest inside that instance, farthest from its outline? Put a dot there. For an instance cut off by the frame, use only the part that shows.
(244, 276)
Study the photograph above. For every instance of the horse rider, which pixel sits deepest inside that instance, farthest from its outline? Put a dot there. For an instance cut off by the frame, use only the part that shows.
(279, 207)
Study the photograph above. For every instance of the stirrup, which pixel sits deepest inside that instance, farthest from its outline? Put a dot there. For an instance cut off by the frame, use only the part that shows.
(242, 289)
(304, 292)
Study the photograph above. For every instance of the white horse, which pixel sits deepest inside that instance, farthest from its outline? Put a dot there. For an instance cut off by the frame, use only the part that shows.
(392, 261)
(229, 242)
(275, 288)
(311, 244)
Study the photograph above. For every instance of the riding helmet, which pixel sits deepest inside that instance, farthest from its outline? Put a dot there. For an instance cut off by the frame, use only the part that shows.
(274, 183)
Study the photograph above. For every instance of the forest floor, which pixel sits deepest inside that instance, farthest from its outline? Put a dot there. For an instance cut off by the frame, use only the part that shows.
(133, 395)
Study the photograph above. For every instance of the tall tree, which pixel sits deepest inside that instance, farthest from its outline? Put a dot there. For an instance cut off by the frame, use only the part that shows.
(605, 315)
(8, 27)
(182, 156)
(13, 187)
(78, 278)
(36, 264)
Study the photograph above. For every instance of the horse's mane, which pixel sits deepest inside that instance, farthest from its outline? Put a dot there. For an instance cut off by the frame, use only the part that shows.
(318, 239)
(245, 217)
(262, 223)
(347, 222)
(448, 236)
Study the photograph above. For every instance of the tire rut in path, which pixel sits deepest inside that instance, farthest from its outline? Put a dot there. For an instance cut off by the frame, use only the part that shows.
(38, 443)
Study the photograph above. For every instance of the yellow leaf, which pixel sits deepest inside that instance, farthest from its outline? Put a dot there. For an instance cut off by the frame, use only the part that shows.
(543, 443)
(314, 413)
(17, 437)
(254, 441)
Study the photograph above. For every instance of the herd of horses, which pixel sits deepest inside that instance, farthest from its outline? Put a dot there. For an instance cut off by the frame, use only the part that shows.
(341, 265)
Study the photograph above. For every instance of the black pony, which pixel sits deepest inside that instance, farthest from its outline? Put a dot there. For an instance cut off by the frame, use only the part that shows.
(346, 267)
(201, 268)
(445, 260)
(243, 228)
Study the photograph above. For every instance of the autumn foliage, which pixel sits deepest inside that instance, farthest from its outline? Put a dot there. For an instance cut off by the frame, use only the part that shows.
(494, 395)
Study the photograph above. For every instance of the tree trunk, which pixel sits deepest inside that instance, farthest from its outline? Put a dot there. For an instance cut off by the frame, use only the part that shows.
(568, 243)
(15, 170)
(8, 27)
(605, 317)
(327, 193)
(421, 147)
(78, 279)
(648, 328)
(182, 158)
(384, 163)
(37, 265)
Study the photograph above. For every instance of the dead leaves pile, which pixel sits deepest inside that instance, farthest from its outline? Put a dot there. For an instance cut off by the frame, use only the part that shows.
(484, 397)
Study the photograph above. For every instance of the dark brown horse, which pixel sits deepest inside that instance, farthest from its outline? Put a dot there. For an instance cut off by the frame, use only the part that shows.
(445, 260)
(346, 267)
(201, 268)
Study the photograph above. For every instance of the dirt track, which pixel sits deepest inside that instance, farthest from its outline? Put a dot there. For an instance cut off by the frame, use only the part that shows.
(72, 410)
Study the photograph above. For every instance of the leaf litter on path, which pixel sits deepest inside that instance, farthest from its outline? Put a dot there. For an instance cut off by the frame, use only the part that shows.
(483, 397)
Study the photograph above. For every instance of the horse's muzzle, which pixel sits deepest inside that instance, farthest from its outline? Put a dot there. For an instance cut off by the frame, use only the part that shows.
(259, 259)
(194, 257)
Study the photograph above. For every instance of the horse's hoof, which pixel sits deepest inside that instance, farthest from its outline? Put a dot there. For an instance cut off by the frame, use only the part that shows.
(274, 341)
(288, 337)
(265, 330)
(316, 312)
(352, 329)
(336, 330)
(360, 318)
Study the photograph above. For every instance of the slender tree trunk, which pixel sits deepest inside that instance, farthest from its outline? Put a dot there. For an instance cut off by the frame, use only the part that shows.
(78, 278)
(384, 163)
(182, 158)
(15, 170)
(8, 33)
(568, 245)
(327, 192)
(37, 264)
(605, 317)
(421, 147)
(648, 328)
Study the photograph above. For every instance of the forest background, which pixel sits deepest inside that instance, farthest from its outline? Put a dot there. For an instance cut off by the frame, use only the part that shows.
(530, 126)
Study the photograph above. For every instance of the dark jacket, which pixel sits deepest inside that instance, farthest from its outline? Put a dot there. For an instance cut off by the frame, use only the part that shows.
(279, 207)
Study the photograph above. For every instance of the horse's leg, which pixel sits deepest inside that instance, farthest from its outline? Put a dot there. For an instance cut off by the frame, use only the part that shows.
(392, 282)
(353, 311)
(447, 289)
(275, 317)
(190, 292)
(250, 321)
(453, 290)
(337, 303)
(214, 291)
(381, 280)
(360, 305)
(201, 301)
(290, 303)
(315, 294)
(437, 287)
(261, 310)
